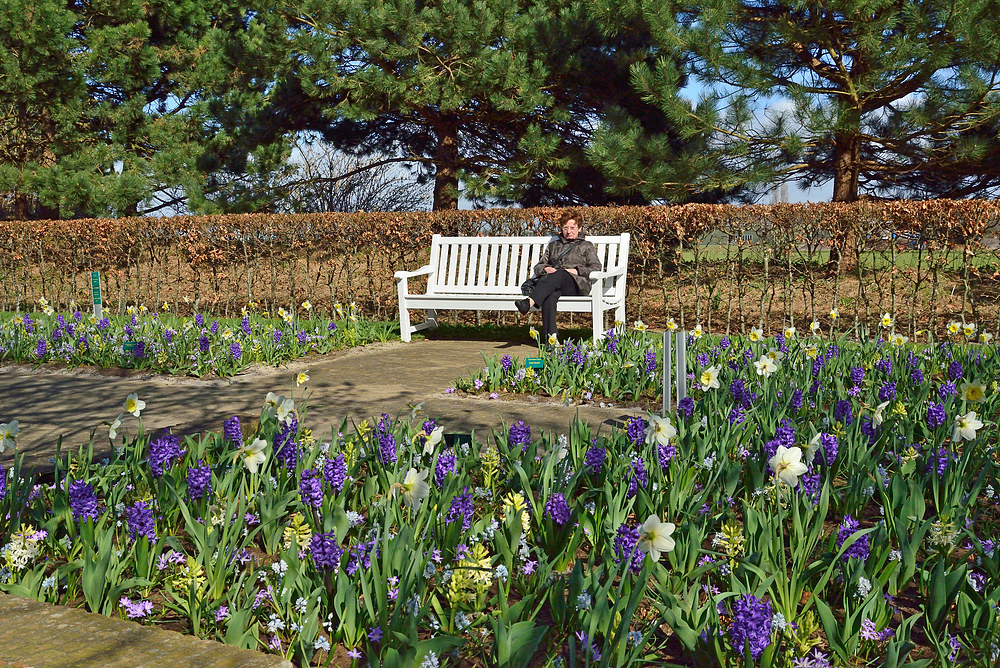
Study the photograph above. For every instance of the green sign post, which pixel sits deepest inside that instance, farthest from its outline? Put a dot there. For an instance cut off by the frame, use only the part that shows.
(129, 346)
(95, 285)
(534, 363)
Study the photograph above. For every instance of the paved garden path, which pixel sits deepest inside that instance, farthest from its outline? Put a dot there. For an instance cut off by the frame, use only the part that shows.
(359, 383)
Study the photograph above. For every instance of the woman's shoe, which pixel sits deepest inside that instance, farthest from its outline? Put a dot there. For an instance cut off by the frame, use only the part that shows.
(523, 305)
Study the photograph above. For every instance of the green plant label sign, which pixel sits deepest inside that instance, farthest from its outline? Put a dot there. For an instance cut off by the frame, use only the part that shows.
(95, 286)
(128, 346)
(534, 363)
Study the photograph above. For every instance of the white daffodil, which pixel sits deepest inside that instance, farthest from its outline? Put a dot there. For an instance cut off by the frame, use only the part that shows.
(985, 337)
(307, 305)
(671, 325)
(814, 327)
(8, 434)
(659, 431)
(787, 464)
(553, 339)
(433, 439)
(898, 340)
(877, 415)
(115, 426)
(776, 354)
(640, 326)
(813, 448)
(697, 332)
(133, 404)
(227, 333)
(655, 537)
(253, 454)
(710, 378)
(973, 391)
(285, 410)
(789, 332)
(966, 426)
(969, 329)
(812, 352)
(533, 333)
(756, 334)
(765, 366)
(415, 488)
(302, 378)
(954, 327)
(271, 403)
(887, 321)
(834, 314)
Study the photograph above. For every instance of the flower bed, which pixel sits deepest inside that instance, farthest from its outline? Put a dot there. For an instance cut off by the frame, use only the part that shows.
(161, 342)
(837, 512)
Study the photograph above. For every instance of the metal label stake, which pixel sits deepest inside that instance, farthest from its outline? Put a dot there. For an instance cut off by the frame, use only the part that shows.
(667, 369)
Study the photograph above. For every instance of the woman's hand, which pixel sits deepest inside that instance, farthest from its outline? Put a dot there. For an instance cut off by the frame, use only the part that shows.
(572, 271)
(550, 270)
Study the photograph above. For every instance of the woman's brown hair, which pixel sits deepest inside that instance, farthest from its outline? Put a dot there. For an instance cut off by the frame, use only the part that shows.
(571, 214)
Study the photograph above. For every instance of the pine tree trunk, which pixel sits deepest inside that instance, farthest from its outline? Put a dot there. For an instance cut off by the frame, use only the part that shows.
(846, 167)
(446, 163)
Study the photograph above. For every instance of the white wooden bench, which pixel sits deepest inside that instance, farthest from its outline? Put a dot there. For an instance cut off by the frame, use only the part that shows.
(486, 273)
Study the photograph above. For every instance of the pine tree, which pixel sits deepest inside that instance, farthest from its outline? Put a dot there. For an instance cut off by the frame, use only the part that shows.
(877, 88)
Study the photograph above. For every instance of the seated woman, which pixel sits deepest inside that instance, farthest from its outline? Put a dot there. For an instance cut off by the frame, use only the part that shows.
(563, 268)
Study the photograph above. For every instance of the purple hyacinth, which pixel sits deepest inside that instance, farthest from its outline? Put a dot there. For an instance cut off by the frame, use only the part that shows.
(685, 407)
(869, 429)
(311, 488)
(738, 389)
(737, 415)
(830, 446)
(784, 436)
(199, 480)
(139, 351)
(335, 472)
(842, 412)
(325, 551)
(857, 375)
(302, 337)
(199, 319)
(810, 485)
(506, 362)
(650, 361)
(41, 349)
(82, 500)
(884, 365)
(817, 367)
(245, 325)
(858, 549)
(636, 477)
(955, 370)
(461, 508)
(796, 402)
(104, 324)
(235, 349)
(947, 390)
(231, 430)
(664, 453)
(593, 461)
(360, 557)
(386, 441)
(140, 521)
(3, 483)
(445, 466)
(887, 392)
(916, 376)
(936, 415)
(611, 341)
(626, 547)
(277, 336)
(832, 351)
(214, 327)
(519, 434)
(635, 429)
(557, 508)
(203, 344)
(332, 327)
(938, 460)
(751, 627)
(163, 451)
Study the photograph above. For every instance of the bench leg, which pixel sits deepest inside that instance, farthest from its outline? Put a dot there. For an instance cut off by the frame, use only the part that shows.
(404, 314)
(432, 318)
(598, 312)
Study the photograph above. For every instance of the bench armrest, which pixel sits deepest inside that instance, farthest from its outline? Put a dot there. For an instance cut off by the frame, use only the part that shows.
(426, 269)
(601, 275)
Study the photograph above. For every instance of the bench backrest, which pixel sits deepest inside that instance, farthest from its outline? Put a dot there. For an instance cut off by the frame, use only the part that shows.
(488, 265)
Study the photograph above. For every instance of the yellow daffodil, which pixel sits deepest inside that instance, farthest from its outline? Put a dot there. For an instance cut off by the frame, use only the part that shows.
(898, 340)
(134, 405)
(765, 366)
(969, 329)
(307, 305)
(985, 337)
(533, 333)
(954, 327)
(834, 314)
(814, 327)
(553, 339)
(789, 332)
(973, 391)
